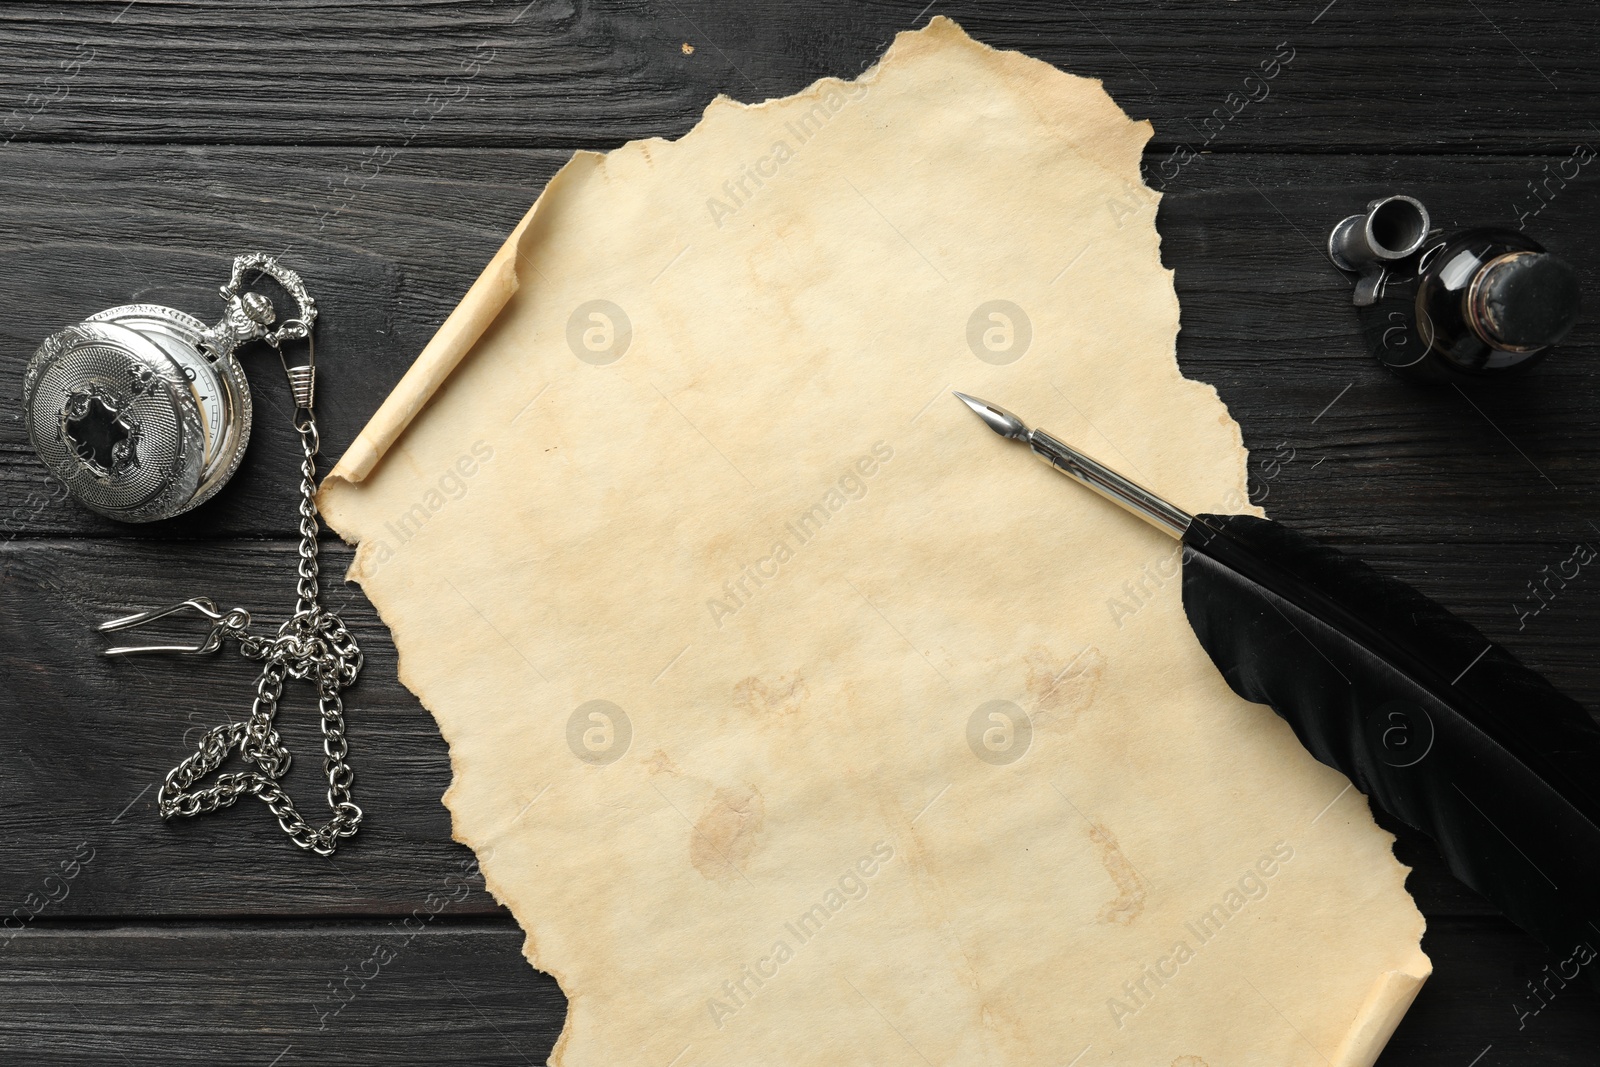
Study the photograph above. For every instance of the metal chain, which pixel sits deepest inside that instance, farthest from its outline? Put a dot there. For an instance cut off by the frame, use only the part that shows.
(313, 645)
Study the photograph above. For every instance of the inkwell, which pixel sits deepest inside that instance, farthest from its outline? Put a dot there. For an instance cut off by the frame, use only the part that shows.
(1439, 307)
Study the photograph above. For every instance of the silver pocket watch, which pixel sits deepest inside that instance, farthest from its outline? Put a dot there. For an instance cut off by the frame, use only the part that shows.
(143, 411)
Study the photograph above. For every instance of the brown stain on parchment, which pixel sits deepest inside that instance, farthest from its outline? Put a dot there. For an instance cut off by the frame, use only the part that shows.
(1188, 1061)
(1059, 689)
(1128, 904)
(719, 552)
(661, 763)
(783, 695)
(724, 836)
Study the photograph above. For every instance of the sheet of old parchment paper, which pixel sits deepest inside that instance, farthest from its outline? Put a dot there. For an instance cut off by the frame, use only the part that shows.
(798, 718)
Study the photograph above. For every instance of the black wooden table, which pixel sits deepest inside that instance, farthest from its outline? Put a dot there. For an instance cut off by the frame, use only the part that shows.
(387, 148)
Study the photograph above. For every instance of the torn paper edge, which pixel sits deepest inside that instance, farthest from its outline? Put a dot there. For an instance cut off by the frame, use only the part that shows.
(494, 288)
(448, 346)
(1392, 992)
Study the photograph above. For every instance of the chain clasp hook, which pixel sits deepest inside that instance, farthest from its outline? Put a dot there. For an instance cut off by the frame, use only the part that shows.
(233, 621)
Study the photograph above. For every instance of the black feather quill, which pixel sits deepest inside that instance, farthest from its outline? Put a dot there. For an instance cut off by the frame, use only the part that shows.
(1436, 724)
(1439, 726)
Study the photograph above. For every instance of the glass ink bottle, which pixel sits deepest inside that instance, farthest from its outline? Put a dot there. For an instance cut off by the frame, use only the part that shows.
(1438, 307)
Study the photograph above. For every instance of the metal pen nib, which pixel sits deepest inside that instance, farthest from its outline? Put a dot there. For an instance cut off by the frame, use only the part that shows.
(1091, 472)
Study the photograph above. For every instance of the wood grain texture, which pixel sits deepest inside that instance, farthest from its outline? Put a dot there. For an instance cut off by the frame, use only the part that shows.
(282, 994)
(1397, 76)
(1478, 1011)
(387, 260)
(386, 148)
(203, 994)
(89, 738)
(1266, 318)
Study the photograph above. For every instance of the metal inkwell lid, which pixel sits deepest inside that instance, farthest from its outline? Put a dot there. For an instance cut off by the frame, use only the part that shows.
(143, 411)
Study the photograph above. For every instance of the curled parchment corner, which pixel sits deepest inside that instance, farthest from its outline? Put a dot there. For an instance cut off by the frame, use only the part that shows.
(1391, 997)
(488, 295)
(450, 345)
(794, 719)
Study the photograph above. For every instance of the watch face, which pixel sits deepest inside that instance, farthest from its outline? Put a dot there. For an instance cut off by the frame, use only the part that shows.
(115, 418)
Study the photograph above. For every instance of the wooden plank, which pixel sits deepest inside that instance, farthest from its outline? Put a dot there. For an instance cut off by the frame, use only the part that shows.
(1414, 480)
(246, 993)
(1488, 586)
(386, 260)
(408, 996)
(88, 738)
(1265, 318)
(1376, 462)
(1404, 76)
(1466, 497)
(1479, 999)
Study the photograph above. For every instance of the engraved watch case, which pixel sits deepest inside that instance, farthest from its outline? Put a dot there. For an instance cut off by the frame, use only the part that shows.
(143, 411)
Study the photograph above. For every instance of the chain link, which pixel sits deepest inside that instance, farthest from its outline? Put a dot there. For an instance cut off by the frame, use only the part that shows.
(313, 645)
